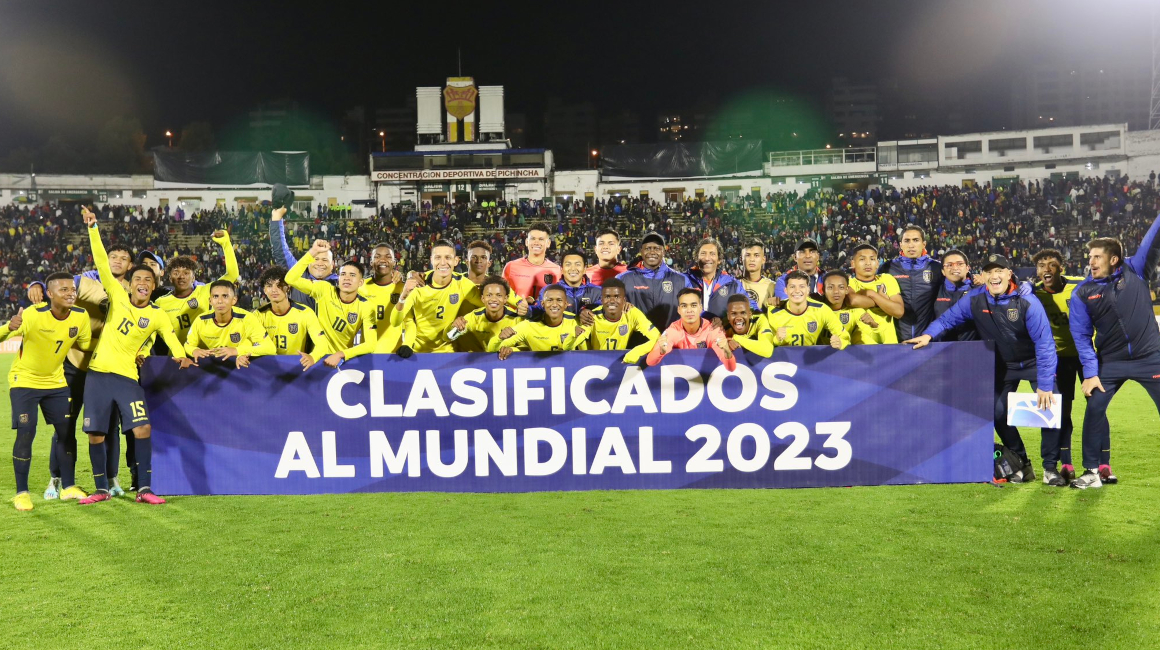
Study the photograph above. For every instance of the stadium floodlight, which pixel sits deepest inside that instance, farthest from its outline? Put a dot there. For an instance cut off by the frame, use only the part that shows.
(169, 135)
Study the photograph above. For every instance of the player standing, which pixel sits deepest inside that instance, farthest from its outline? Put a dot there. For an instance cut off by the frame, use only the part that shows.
(806, 258)
(384, 290)
(228, 332)
(652, 287)
(919, 277)
(473, 332)
(607, 264)
(292, 327)
(428, 306)
(759, 288)
(190, 298)
(529, 275)
(877, 293)
(1054, 290)
(36, 381)
(342, 312)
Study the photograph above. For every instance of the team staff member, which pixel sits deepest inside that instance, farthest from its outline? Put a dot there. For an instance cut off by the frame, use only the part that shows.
(607, 264)
(112, 384)
(342, 311)
(582, 294)
(228, 332)
(558, 330)
(1114, 304)
(715, 287)
(877, 293)
(806, 259)
(956, 284)
(919, 277)
(758, 287)
(529, 275)
(692, 332)
(190, 298)
(746, 330)
(614, 324)
(292, 327)
(835, 289)
(652, 287)
(473, 332)
(1026, 352)
(1054, 291)
(36, 380)
(322, 268)
(801, 321)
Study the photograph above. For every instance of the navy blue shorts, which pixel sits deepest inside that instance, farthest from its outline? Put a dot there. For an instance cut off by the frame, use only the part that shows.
(107, 393)
(53, 401)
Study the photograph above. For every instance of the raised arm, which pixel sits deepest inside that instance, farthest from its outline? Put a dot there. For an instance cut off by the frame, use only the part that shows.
(295, 276)
(1139, 261)
(279, 249)
(222, 238)
(101, 259)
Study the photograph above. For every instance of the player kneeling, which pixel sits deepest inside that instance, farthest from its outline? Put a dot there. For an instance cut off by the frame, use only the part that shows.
(475, 331)
(691, 332)
(557, 330)
(746, 330)
(615, 322)
(227, 332)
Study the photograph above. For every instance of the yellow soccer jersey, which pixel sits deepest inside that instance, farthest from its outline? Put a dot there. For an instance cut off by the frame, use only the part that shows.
(298, 330)
(244, 332)
(758, 291)
(430, 310)
(182, 311)
(538, 336)
(1055, 304)
(128, 328)
(383, 298)
(806, 328)
(44, 345)
(614, 335)
(92, 298)
(759, 339)
(481, 329)
(340, 320)
(885, 284)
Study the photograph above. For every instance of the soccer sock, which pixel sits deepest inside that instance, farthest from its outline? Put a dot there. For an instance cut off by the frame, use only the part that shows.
(113, 449)
(64, 453)
(22, 456)
(98, 457)
(144, 463)
(53, 461)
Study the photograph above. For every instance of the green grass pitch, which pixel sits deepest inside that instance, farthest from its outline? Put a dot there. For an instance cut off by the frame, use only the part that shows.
(968, 566)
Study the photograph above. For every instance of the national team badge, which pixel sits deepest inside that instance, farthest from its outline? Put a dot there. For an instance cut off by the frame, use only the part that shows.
(752, 295)
(927, 275)
(563, 337)
(72, 332)
(622, 330)
(882, 289)
(352, 317)
(812, 327)
(844, 318)
(235, 338)
(454, 298)
(292, 328)
(701, 345)
(23, 418)
(192, 303)
(1013, 314)
(143, 323)
(722, 292)
(394, 298)
(86, 422)
(667, 286)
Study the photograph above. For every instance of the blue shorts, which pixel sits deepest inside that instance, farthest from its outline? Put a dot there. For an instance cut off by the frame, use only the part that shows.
(53, 401)
(107, 393)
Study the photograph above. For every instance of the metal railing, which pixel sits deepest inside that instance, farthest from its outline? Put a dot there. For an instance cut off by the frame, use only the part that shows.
(822, 157)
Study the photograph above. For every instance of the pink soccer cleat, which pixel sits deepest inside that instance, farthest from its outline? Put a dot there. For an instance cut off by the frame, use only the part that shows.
(150, 498)
(95, 497)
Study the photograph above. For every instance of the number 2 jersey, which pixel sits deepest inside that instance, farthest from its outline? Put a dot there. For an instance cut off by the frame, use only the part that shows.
(430, 310)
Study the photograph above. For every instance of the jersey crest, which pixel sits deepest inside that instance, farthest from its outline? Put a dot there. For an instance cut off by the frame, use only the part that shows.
(1013, 314)
(563, 337)
(143, 323)
(882, 289)
(844, 318)
(235, 338)
(812, 326)
(454, 299)
(723, 292)
(72, 332)
(292, 328)
(667, 286)
(352, 317)
(752, 295)
(701, 345)
(192, 303)
(622, 330)
(927, 275)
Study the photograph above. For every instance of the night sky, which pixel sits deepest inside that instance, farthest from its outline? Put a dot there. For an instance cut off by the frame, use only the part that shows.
(66, 67)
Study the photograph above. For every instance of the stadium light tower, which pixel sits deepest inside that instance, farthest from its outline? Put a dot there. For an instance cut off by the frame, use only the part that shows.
(383, 135)
(169, 134)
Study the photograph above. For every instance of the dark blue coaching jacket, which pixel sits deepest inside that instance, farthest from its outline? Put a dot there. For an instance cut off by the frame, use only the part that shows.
(654, 291)
(1118, 310)
(949, 295)
(718, 291)
(918, 281)
(1017, 324)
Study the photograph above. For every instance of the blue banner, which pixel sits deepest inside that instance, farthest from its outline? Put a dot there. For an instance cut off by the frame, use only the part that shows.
(808, 417)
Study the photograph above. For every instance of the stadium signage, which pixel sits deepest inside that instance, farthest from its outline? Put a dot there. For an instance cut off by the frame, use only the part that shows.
(457, 174)
(572, 421)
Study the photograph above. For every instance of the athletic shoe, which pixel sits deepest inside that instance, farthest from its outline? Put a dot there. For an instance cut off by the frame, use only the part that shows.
(1107, 476)
(23, 502)
(150, 498)
(115, 489)
(1089, 479)
(73, 492)
(1052, 477)
(1028, 472)
(95, 497)
(1068, 473)
(53, 490)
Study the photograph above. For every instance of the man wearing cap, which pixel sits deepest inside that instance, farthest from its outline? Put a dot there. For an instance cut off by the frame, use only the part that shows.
(919, 277)
(806, 258)
(1025, 348)
(1113, 304)
(153, 261)
(321, 269)
(652, 286)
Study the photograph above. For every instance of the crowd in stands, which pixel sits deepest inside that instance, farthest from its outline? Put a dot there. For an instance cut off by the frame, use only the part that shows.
(1015, 220)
